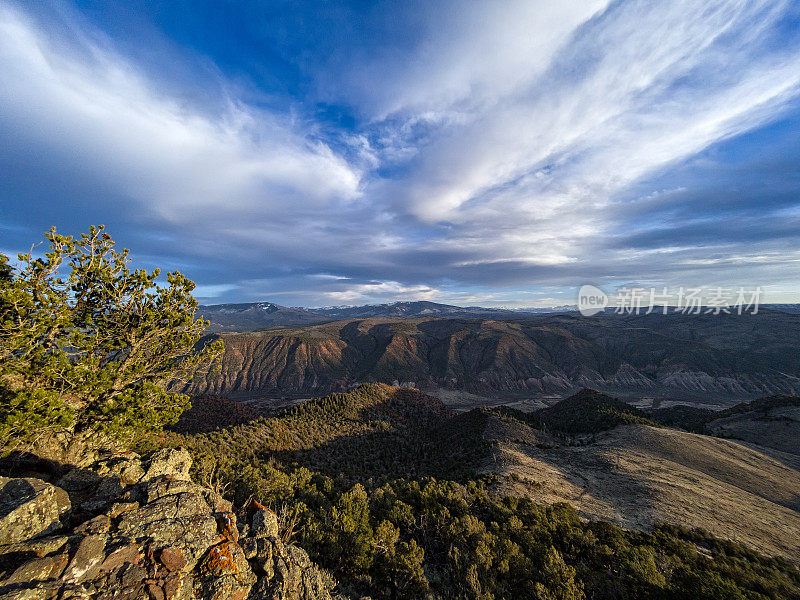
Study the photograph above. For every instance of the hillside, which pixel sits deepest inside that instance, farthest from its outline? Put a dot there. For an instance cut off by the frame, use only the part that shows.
(374, 431)
(626, 472)
(705, 358)
(208, 413)
(637, 475)
(588, 411)
(773, 422)
(458, 496)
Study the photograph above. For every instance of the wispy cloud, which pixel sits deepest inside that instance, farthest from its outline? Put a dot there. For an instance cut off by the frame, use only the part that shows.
(86, 105)
(500, 149)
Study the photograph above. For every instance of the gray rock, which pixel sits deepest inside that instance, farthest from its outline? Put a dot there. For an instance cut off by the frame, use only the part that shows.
(289, 574)
(110, 487)
(34, 591)
(265, 524)
(99, 524)
(29, 508)
(121, 507)
(39, 569)
(39, 546)
(79, 479)
(169, 462)
(183, 519)
(159, 536)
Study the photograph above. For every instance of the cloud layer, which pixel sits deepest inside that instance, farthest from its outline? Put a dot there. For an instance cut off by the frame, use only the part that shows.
(506, 153)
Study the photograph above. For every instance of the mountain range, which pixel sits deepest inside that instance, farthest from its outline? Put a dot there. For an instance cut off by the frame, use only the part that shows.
(704, 358)
(252, 316)
(261, 315)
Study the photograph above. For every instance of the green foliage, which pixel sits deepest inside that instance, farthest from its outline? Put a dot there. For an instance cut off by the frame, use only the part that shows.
(411, 537)
(374, 431)
(588, 411)
(90, 349)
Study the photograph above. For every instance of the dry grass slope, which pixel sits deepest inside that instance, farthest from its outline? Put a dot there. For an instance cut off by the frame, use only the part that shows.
(637, 476)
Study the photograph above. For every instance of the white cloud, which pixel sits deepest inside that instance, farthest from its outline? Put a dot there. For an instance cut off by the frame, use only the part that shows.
(91, 107)
(636, 89)
(208, 292)
(497, 150)
(381, 291)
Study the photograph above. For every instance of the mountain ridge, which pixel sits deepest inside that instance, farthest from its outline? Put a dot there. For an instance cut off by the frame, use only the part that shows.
(677, 356)
(253, 316)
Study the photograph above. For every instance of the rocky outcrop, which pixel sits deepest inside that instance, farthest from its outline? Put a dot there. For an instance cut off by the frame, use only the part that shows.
(30, 507)
(129, 527)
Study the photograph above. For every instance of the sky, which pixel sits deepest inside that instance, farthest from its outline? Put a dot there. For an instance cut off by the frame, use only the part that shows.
(498, 153)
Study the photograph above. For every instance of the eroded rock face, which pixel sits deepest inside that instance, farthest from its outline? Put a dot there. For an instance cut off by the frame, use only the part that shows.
(140, 528)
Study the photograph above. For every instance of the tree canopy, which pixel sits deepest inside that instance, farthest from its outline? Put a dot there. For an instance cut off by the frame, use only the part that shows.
(88, 345)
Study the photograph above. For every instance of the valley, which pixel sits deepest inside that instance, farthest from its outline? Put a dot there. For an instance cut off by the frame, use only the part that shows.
(608, 460)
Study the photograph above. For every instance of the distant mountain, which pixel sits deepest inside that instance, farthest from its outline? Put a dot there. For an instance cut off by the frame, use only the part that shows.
(789, 308)
(700, 357)
(423, 309)
(256, 315)
(262, 315)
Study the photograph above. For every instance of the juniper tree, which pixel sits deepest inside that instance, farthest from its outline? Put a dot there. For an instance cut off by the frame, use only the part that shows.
(88, 345)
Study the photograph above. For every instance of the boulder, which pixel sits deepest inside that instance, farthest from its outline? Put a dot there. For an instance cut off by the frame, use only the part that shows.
(265, 524)
(225, 573)
(291, 575)
(168, 461)
(89, 556)
(287, 572)
(146, 532)
(30, 508)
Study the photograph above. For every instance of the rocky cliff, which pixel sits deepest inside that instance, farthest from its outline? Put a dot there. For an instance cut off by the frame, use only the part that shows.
(726, 356)
(128, 527)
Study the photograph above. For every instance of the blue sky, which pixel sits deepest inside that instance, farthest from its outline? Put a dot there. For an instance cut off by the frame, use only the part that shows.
(492, 153)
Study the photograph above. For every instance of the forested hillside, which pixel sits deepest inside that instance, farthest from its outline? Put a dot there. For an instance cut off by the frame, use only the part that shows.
(380, 486)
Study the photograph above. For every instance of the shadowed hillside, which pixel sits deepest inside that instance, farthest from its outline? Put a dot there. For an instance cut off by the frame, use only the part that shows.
(464, 501)
(208, 413)
(703, 357)
(374, 431)
(590, 450)
(588, 411)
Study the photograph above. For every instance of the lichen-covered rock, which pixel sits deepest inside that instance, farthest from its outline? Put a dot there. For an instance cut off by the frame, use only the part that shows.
(225, 573)
(182, 519)
(89, 556)
(39, 569)
(287, 572)
(144, 531)
(175, 463)
(29, 508)
(290, 575)
(265, 524)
